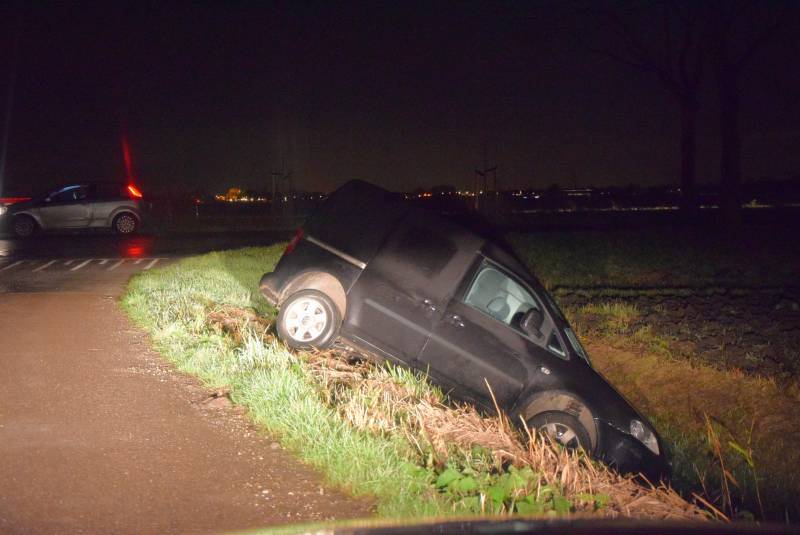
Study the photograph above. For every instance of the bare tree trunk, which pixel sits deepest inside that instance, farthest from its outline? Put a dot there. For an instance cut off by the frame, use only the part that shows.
(731, 145)
(688, 199)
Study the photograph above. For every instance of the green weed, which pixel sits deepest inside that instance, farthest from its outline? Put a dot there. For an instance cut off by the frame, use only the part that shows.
(620, 324)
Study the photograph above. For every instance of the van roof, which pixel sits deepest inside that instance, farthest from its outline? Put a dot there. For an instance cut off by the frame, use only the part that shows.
(358, 217)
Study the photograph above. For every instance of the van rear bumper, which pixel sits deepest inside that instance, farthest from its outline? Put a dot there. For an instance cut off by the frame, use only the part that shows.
(267, 288)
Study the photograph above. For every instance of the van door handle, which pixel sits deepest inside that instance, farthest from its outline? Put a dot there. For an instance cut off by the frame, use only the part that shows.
(456, 320)
(429, 305)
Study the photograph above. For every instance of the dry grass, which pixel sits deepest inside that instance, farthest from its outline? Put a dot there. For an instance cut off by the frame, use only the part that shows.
(431, 425)
(236, 321)
(395, 402)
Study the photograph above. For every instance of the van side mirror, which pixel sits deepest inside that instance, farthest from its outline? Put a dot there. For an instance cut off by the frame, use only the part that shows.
(532, 322)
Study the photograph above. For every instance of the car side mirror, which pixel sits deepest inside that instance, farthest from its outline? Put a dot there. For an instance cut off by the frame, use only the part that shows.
(532, 322)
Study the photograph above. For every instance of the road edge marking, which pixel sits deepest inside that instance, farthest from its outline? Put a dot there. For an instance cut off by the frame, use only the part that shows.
(18, 262)
(44, 266)
(79, 266)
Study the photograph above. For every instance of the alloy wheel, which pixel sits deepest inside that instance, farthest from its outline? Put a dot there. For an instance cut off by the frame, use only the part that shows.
(562, 434)
(305, 319)
(125, 224)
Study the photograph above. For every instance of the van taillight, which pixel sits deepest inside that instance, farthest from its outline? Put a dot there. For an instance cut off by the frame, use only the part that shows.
(292, 244)
(134, 191)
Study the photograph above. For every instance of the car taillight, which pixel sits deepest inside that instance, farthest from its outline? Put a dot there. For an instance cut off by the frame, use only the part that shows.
(292, 244)
(13, 200)
(135, 193)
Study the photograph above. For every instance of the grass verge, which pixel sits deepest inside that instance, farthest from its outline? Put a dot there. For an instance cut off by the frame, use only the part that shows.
(378, 431)
(733, 435)
(683, 257)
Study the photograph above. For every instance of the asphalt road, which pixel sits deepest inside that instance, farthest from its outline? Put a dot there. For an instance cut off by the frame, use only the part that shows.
(98, 434)
(84, 245)
(102, 263)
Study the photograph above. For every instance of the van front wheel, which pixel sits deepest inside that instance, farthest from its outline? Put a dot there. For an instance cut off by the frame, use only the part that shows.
(561, 428)
(308, 319)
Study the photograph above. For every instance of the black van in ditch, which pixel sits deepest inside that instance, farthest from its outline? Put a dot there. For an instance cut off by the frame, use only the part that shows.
(400, 283)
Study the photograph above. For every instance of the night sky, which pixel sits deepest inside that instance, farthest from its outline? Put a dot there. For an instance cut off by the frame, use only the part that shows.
(400, 93)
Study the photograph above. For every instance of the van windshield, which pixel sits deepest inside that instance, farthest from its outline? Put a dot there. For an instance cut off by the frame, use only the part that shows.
(553, 306)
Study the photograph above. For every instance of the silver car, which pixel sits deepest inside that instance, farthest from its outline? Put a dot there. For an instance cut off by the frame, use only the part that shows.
(76, 206)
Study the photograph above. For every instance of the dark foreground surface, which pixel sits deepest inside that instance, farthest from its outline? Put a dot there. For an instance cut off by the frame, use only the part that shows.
(581, 526)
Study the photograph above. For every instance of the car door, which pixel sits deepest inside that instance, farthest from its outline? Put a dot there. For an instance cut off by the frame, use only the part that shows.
(104, 198)
(479, 342)
(66, 208)
(402, 292)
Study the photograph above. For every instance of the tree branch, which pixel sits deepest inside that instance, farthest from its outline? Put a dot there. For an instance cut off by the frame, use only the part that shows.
(765, 35)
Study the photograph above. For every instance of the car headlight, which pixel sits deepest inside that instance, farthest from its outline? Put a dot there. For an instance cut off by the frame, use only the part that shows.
(3, 209)
(644, 435)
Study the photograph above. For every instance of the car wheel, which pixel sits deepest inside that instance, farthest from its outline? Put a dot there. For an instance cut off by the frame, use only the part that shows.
(24, 226)
(125, 224)
(561, 428)
(307, 319)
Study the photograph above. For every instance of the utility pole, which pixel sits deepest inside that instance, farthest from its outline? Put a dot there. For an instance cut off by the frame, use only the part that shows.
(283, 177)
(274, 175)
(482, 178)
(279, 180)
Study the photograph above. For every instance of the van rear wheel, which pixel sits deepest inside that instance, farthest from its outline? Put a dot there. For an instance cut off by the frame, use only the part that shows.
(308, 318)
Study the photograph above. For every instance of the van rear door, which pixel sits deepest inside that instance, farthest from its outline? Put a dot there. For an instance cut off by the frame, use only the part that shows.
(401, 294)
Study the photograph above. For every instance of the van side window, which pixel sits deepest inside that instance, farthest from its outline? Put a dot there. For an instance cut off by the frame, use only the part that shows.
(429, 250)
(498, 295)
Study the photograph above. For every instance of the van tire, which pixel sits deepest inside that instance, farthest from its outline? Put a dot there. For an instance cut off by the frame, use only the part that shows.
(561, 428)
(308, 319)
